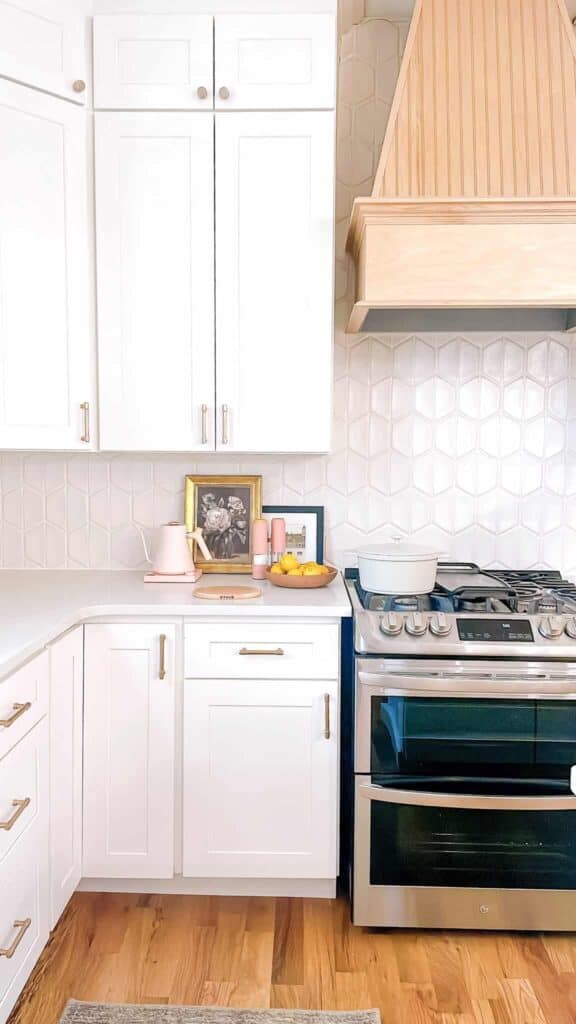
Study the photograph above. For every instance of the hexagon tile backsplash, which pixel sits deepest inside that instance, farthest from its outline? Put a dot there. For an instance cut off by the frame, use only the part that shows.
(467, 442)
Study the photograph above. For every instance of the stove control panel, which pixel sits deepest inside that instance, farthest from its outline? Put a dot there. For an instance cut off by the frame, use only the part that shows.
(495, 630)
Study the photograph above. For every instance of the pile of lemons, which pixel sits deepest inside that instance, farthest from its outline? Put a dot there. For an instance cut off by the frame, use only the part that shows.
(290, 566)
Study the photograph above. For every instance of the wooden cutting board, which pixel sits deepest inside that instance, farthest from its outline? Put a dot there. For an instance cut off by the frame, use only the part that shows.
(219, 593)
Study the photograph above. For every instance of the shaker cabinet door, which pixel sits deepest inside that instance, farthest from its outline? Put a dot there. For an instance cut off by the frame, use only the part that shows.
(46, 355)
(66, 695)
(274, 281)
(155, 261)
(153, 61)
(260, 779)
(275, 61)
(129, 751)
(43, 44)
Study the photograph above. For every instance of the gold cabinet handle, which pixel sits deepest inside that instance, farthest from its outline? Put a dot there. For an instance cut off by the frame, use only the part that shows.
(20, 806)
(85, 406)
(202, 92)
(79, 85)
(204, 410)
(23, 927)
(19, 709)
(326, 716)
(162, 669)
(277, 652)
(225, 425)
(224, 92)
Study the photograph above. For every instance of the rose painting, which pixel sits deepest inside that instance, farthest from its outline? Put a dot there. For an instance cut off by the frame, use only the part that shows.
(224, 509)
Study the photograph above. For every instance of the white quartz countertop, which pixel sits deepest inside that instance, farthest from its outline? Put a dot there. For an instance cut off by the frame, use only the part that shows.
(37, 606)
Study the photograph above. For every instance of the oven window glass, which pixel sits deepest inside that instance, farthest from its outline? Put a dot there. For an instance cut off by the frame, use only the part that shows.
(446, 846)
(410, 734)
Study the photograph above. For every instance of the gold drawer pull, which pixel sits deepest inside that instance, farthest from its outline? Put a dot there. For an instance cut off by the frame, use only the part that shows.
(326, 716)
(23, 927)
(162, 669)
(277, 652)
(19, 709)
(85, 437)
(20, 806)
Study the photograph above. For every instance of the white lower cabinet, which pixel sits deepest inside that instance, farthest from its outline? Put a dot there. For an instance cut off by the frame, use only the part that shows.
(24, 862)
(260, 778)
(129, 750)
(66, 694)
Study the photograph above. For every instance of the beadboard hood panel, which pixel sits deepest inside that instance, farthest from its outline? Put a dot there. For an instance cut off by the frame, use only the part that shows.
(474, 202)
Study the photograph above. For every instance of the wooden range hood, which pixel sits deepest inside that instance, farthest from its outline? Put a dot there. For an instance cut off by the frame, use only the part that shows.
(472, 219)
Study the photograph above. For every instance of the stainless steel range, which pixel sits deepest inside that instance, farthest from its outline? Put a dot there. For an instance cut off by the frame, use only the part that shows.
(465, 740)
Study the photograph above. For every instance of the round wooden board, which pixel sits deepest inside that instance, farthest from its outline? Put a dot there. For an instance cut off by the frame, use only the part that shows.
(216, 593)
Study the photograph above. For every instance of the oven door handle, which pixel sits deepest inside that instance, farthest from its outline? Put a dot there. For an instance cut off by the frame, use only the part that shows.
(467, 801)
(483, 686)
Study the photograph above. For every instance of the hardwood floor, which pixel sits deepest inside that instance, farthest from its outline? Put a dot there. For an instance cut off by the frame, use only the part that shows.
(295, 953)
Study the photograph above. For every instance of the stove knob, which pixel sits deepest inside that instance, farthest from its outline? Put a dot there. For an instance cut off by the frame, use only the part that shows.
(415, 624)
(551, 627)
(391, 624)
(439, 625)
(571, 628)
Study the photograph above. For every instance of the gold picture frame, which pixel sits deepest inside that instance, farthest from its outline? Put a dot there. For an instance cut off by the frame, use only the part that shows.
(224, 507)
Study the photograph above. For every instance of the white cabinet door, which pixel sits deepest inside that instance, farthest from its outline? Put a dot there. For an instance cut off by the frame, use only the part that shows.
(66, 694)
(275, 61)
(129, 751)
(43, 44)
(155, 257)
(274, 281)
(46, 355)
(260, 779)
(153, 61)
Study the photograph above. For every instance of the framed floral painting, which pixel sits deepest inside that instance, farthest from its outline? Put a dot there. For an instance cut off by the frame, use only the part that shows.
(224, 507)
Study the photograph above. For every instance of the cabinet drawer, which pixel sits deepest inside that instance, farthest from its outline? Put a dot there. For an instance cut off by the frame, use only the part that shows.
(23, 913)
(23, 787)
(266, 651)
(275, 61)
(23, 701)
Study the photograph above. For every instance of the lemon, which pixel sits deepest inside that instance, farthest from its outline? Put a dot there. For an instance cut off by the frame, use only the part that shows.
(288, 562)
(298, 571)
(324, 569)
(277, 570)
(312, 570)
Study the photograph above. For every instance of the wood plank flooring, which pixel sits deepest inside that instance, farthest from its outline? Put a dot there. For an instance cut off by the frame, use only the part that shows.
(295, 953)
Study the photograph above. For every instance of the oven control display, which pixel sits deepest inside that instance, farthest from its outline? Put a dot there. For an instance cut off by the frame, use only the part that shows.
(495, 630)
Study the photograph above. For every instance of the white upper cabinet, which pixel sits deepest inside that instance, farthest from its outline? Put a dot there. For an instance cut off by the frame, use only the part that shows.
(46, 359)
(43, 44)
(275, 61)
(155, 258)
(153, 61)
(274, 281)
(129, 726)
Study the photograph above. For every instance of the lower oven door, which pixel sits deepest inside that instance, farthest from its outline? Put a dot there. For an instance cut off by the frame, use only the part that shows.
(458, 853)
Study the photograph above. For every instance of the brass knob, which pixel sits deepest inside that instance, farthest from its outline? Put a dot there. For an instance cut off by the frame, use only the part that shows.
(202, 92)
(224, 92)
(79, 85)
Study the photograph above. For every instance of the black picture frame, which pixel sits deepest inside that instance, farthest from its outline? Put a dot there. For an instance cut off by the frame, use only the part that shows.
(271, 511)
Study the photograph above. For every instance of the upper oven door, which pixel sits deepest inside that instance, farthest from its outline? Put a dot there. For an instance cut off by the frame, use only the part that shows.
(435, 718)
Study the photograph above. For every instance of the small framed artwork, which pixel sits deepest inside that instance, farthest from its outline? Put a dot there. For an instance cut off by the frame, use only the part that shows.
(304, 529)
(224, 507)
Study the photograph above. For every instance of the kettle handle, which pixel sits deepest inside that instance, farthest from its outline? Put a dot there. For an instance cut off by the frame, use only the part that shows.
(146, 554)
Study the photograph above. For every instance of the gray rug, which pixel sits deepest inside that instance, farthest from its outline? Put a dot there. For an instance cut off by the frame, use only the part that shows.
(110, 1013)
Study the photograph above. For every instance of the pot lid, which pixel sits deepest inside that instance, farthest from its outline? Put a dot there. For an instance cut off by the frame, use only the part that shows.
(395, 551)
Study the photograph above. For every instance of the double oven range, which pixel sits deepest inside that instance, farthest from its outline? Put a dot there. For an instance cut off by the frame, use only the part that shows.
(465, 737)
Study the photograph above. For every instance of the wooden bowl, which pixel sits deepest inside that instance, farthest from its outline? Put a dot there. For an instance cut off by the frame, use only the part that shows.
(302, 582)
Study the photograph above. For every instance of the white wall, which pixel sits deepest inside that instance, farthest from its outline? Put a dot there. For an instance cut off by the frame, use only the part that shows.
(469, 441)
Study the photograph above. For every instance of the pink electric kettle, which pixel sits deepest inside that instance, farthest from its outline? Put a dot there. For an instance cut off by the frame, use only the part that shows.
(172, 553)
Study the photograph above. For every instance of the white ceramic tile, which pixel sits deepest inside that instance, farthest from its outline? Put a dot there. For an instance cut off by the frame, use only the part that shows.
(503, 360)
